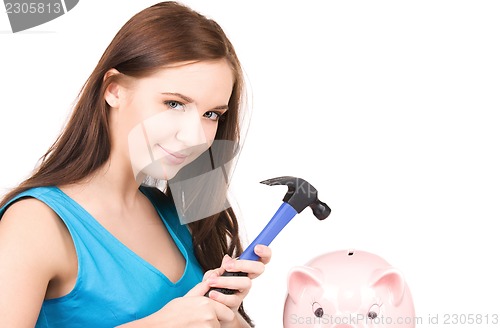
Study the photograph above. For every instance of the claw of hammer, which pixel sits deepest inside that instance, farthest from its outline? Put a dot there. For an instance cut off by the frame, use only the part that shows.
(300, 195)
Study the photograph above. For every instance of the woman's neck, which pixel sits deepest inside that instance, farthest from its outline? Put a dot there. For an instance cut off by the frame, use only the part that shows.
(113, 183)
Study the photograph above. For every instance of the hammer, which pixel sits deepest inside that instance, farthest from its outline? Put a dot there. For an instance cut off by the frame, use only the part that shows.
(301, 194)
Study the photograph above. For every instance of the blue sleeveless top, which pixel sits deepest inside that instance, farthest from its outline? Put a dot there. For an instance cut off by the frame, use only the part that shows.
(114, 285)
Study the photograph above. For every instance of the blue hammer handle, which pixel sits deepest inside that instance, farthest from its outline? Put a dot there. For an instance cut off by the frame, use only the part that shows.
(279, 220)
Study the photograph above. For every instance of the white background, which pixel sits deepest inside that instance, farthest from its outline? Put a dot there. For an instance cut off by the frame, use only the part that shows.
(391, 109)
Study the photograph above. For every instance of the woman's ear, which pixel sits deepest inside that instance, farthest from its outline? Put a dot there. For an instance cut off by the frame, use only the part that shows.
(112, 92)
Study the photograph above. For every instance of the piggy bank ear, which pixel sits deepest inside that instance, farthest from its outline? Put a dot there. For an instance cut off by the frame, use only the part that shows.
(302, 279)
(391, 281)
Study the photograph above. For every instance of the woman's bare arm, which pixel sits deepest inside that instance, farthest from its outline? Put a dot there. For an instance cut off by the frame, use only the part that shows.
(31, 255)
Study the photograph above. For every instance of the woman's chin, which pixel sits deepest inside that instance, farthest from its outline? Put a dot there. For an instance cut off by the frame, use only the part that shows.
(158, 170)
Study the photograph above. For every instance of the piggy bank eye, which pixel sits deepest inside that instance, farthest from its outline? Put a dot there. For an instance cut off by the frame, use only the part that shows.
(317, 310)
(374, 311)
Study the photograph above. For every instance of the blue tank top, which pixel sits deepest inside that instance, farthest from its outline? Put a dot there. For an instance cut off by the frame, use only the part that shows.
(114, 285)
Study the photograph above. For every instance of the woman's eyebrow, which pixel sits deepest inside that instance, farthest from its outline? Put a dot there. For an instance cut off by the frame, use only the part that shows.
(189, 100)
(180, 95)
(221, 107)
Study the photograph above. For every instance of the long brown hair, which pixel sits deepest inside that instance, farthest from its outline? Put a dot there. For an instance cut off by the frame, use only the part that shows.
(163, 34)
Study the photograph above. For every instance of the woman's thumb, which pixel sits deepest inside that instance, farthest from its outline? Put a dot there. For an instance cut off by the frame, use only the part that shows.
(199, 290)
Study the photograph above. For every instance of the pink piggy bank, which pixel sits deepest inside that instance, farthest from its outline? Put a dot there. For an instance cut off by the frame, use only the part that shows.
(348, 289)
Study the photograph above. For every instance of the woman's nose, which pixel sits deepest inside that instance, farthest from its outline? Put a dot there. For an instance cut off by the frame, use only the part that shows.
(191, 131)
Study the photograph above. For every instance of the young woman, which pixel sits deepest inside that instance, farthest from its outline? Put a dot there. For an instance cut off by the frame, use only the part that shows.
(84, 242)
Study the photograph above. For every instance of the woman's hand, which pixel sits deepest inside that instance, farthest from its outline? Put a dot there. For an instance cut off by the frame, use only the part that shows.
(193, 310)
(241, 284)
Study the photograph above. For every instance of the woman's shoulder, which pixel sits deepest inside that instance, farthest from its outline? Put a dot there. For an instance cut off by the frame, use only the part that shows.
(31, 219)
(32, 231)
(28, 208)
(27, 203)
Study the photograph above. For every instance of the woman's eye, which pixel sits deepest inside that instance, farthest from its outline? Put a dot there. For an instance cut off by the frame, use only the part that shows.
(174, 104)
(214, 116)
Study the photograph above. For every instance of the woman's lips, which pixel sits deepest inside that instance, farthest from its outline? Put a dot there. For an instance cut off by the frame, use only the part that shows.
(174, 157)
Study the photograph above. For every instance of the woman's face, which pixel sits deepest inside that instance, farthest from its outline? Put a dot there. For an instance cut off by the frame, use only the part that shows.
(166, 120)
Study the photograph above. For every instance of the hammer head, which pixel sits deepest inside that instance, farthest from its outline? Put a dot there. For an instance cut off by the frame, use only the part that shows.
(300, 195)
